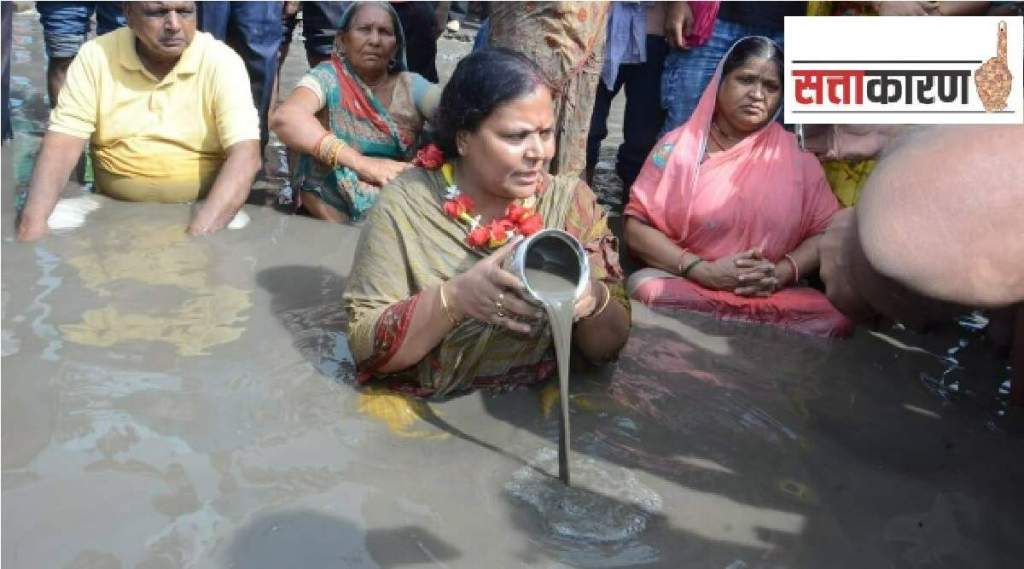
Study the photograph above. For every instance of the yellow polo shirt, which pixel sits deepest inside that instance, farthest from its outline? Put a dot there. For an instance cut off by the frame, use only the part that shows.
(156, 139)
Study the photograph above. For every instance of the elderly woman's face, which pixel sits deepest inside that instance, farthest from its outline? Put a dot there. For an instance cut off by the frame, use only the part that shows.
(749, 95)
(370, 42)
(510, 151)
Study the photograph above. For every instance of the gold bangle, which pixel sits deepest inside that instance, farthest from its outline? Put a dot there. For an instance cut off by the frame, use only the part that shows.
(335, 148)
(445, 308)
(327, 150)
(607, 298)
(327, 157)
(320, 143)
(321, 148)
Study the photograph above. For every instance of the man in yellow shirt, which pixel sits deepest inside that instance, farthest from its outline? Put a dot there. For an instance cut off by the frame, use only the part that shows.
(169, 114)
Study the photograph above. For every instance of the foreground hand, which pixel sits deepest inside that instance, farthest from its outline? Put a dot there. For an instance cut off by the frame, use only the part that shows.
(903, 8)
(30, 230)
(836, 250)
(380, 171)
(678, 24)
(489, 293)
(209, 218)
(588, 302)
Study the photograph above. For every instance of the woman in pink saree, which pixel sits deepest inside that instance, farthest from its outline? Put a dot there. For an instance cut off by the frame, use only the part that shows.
(728, 211)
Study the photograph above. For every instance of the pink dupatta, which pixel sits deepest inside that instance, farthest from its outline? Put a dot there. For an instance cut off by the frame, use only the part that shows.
(762, 193)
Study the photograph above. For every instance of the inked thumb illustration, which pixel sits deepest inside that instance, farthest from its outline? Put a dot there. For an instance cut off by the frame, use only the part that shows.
(993, 78)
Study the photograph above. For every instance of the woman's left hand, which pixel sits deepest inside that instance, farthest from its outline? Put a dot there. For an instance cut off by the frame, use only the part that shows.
(588, 302)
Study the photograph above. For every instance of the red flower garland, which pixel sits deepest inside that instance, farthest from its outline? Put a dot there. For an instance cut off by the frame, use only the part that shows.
(517, 220)
(429, 157)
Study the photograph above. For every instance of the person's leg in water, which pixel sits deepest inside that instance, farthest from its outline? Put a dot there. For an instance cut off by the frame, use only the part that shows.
(65, 29)
(8, 36)
(289, 19)
(279, 160)
(109, 17)
(644, 115)
(421, 33)
(254, 31)
(320, 21)
(599, 123)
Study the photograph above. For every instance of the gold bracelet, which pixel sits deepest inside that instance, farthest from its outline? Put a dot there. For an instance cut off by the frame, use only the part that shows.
(327, 150)
(607, 298)
(321, 148)
(445, 308)
(335, 148)
(320, 144)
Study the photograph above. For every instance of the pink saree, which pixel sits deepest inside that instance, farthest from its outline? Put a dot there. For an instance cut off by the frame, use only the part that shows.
(764, 192)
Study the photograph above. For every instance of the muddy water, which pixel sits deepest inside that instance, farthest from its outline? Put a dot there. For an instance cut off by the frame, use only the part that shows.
(172, 402)
(558, 294)
(179, 402)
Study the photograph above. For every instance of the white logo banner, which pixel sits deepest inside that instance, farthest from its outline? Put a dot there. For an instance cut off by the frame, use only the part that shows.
(904, 70)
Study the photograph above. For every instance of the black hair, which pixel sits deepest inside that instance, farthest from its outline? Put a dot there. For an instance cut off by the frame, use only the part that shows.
(753, 47)
(482, 82)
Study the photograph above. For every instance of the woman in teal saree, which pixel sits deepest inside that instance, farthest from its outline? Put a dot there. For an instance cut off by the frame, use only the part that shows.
(353, 122)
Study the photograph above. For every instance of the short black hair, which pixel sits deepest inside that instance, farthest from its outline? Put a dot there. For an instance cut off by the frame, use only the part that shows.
(483, 81)
(752, 47)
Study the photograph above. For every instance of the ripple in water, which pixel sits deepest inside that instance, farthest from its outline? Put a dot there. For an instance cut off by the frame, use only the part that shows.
(605, 504)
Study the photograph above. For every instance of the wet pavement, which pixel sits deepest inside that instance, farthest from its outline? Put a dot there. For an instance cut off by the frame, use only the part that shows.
(189, 402)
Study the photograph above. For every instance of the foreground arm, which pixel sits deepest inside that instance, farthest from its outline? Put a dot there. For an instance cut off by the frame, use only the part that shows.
(440, 18)
(603, 314)
(807, 261)
(678, 24)
(392, 326)
(469, 295)
(602, 336)
(72, 124)
(919, 246)
(920, 223)
(296, 125)
(653, 247)
(57, 158)
(658, 251)
(948, 8)
(229, 190)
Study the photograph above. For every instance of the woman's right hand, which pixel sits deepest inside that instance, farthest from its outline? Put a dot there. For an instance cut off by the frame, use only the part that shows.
(379, 171)
(31, 229)
(489, 293)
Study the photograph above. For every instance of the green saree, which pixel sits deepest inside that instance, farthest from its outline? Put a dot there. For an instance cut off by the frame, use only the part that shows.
(410, 245)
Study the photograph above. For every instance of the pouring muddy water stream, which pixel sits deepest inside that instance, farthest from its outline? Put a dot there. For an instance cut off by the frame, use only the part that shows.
(553, 266)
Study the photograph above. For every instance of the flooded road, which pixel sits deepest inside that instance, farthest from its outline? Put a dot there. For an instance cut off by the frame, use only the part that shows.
(189, 402)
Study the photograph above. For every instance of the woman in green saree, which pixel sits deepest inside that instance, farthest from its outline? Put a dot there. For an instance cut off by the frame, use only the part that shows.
(354, 120)
(430, 309)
